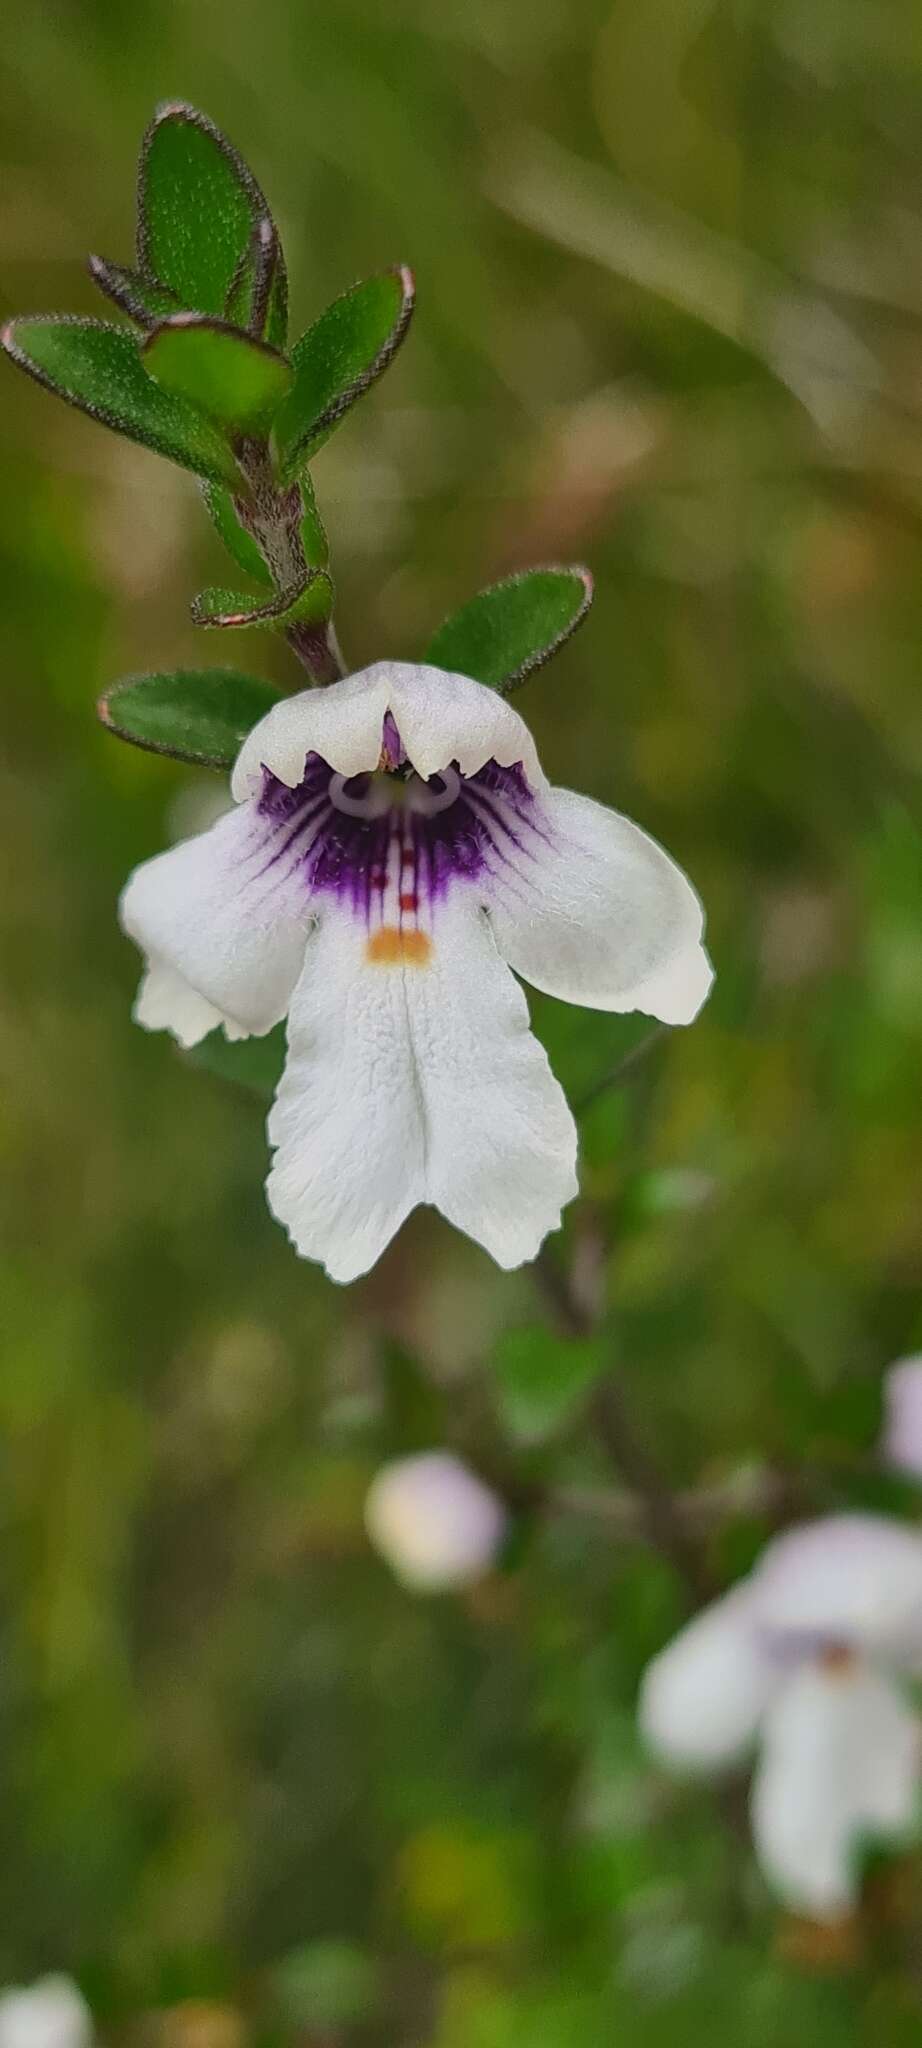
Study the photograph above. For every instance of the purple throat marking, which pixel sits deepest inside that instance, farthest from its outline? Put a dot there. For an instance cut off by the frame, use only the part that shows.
(390, 845)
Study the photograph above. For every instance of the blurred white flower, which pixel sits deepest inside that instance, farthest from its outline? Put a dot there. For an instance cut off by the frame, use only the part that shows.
(434, 1522)
(805, 1660)
(901, 1442)
(52, 2013)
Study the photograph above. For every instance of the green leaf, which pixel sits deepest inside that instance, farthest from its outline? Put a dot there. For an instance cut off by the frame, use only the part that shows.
(99, 369)
(254, 1063)
(238, 380)
(513, 627)
(541, 1379)
(200, 715)
(313, 532)
(313, 603)
(143, 301)
(327, 1985)
(237, 540)
(258, 297)
(337, 359)
(198, 203)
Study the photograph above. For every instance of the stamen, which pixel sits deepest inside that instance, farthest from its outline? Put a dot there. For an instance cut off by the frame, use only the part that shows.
(373, 804)
(421, 796)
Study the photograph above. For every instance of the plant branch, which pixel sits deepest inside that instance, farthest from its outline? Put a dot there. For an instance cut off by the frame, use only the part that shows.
(576, 1310)
(272, 515)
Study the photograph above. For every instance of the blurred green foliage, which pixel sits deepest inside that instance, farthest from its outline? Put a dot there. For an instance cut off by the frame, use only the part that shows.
(668, 322)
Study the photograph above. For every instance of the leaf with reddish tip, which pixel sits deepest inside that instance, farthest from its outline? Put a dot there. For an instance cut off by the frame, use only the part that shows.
(99, 369)
(258, 297)
(199, 715)
(312, 604)
(504, 632)
(338, 359)
(233, 377)
(143, 301)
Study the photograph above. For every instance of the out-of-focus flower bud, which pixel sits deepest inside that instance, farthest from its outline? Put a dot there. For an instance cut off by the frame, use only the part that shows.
(901, 1441)
(434, 1522)
(52, 2013)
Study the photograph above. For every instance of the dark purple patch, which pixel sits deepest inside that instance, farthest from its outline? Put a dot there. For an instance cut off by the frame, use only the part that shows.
(347, 856)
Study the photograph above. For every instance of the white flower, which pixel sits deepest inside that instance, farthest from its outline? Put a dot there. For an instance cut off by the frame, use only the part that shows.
(51, 2013)
(901, 1444)
(436, 1524)
(395, 849)
(806, 1659)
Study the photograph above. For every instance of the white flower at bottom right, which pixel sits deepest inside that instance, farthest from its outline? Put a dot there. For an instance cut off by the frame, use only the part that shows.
(807, 1661)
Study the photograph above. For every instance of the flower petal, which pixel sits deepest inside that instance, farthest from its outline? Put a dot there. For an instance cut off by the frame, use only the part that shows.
(165, 1002)
(840, 1762)
(846, 1579)
(227, 913)
(445, 718)
(342, 723)
(413, 1077)
(703, 1697)
(590, 909)
(441, 718)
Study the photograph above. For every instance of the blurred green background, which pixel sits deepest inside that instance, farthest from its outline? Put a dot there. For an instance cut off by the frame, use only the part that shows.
(669, 262)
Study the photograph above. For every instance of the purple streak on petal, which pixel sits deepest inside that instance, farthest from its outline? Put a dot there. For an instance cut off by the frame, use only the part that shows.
(343, 854)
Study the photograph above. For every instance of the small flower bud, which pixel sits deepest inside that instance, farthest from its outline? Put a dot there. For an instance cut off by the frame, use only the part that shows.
(901, 1441)
(434, 1522)
(51, 2013)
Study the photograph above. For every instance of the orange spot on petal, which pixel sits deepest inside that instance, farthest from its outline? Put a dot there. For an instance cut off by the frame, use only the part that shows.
(389, 947)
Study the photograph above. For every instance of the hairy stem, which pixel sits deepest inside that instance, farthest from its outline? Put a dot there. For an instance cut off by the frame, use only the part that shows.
(272, 514)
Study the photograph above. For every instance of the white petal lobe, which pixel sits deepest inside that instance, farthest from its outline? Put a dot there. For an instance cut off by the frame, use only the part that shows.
(839, 1767)
(590, 909)
(416, 1081)
(165, 1002)
(443, 718)
(853, 1579)
(342, 723)
(228, 914)
(347, 1121)
(703, 1697)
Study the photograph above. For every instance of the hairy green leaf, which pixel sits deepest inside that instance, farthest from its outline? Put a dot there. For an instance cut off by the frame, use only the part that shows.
(313, 603)
(236, 379)
(238, 542)
(200, 715)
(198, 203)
(258, 297)
(313, 532)
(99, 369)
(337, 359)
(143, 301)
(513, 627)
